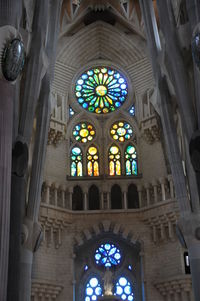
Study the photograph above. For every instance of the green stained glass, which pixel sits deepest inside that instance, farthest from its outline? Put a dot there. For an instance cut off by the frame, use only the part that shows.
(101, 90)
(84, 132)
(121, 131)
(76, 162)
(131, 160)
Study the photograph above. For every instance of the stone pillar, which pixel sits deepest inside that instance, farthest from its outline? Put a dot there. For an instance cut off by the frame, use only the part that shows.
(102, 200)
(55, 194)
(63, 189)
(147, 193)
(171, 185)
(47, 196)
(6, 117)
(154, 233)
(162, 182)
(125, 203)
(155, 191)
(108, 200)
(85, 201)
(70, 189)
(139, 188)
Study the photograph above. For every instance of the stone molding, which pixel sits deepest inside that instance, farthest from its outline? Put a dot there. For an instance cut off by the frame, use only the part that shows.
(42, 290)
(176, 288)
(150, 129)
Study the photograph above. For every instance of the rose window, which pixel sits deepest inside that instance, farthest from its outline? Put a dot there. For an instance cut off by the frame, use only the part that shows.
(121, 131)
(84, 132)
(107, 255)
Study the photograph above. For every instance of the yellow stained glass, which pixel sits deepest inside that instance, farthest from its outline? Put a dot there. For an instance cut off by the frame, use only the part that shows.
(112, 168)
(121, 123)
(115, 137)
(84, 133)
(92, 132)
(114, 150)
(89, 165)
(95, 157)
(112, 132)
(89, 157)
(92, 150)
(115, 126)
(84, 140)
(101, 90)
(118, 168)
(89, 138)
(96, 168)
(120, 139)
(79, 169)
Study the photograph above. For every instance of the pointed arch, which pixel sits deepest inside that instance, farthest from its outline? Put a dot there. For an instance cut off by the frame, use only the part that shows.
(133, 197)
(77, 198)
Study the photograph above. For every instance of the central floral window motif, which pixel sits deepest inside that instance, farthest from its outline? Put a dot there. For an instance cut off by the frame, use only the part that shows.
(84, 132)
(121, 131)
(114, 161)
(107, 255)
(101, 90)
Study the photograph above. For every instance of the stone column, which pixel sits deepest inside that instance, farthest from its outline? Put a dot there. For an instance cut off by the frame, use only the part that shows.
(55, 194)
(155, 191)
(102, 200)
(162, 182)
(70, 189)
(139, 188)
(125, 203)
(171, 185)
(147, 193)
(47, 196)
(6, 117)
(108, 200)
(85, 200)
(63, 189)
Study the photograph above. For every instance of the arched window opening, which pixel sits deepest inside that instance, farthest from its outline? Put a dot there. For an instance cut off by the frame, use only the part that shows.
(187, 263)
(94, 201)
(92, 161)
(116, 197)
(133, 198)
(76, 162)
(114, 161)
(77, 198)
(131, 161)
(124, 289)
(93, 289)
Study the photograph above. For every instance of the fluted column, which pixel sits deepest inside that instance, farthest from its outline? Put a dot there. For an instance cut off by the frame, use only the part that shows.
(6, 105)
(147, 187)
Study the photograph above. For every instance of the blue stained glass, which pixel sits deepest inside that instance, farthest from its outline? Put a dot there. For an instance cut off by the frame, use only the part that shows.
(123, 289)
(84, 76)
(107, 255)
(71, 112)
(86, 267)
(93, 289)
(130, 267)
(132, 111)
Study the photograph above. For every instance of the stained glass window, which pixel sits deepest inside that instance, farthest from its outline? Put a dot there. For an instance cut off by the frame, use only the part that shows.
(107, 255)
(76, 162)
(132, 111)
(84, 132)
(101, 90)
(71, 112)
(131, 160)
(92, 161)
(121, 131)
(114, 161)
(124, 289)
(93, 289)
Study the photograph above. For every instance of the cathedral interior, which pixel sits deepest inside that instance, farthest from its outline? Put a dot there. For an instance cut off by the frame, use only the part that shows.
(100, 150)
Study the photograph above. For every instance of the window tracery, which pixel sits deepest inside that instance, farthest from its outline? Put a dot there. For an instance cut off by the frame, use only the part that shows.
(92, 161)
(84, 132)
(76, 162)
(114, 161)
(121, 131)
(131, 160)
(101, 90)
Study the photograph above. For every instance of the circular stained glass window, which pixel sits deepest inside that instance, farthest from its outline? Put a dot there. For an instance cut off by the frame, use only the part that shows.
(101, 90)
(93, 289)
(84, 132)
(123, 289)
(107, 255)
(121, 131)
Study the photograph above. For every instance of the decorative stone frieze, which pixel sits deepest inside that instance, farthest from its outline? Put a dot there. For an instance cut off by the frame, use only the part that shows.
(44, 290)
(52, 231)
(57, 126)
(163, 226)
(176, 288)
(150, 129)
